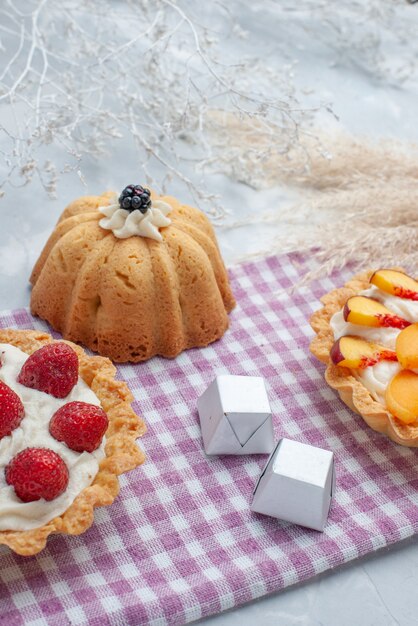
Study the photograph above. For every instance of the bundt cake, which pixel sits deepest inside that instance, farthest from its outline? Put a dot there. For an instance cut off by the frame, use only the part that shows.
(109, 278)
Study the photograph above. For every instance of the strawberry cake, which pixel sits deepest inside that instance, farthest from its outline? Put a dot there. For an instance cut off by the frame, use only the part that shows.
(367, 334)
(67, 430)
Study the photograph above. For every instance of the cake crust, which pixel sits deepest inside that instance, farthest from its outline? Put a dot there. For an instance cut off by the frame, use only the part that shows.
(121, 450)
(351, 391)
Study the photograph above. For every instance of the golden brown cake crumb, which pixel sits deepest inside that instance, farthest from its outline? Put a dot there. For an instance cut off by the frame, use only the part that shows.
(131, 299)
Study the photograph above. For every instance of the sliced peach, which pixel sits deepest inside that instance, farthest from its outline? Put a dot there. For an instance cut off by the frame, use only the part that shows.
(396, 283)
(369, 312)
(407, 347)
(357, 353)
(402, 396)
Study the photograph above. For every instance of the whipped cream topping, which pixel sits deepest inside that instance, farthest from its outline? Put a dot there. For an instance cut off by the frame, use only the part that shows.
(33, 432)
(124, 223)
(377, 377)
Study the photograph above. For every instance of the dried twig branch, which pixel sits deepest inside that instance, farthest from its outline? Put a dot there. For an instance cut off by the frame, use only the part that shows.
(80, 74)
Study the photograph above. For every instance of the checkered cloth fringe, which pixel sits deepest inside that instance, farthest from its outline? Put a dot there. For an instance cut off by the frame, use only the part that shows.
(180, 542)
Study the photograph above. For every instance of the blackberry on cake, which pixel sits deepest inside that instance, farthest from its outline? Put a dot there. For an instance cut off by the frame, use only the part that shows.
(135, 197)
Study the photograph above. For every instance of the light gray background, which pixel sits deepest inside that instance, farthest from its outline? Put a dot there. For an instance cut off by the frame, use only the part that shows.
(364, 67)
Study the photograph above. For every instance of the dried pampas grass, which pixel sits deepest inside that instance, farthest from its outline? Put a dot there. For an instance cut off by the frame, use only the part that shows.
(357, 199)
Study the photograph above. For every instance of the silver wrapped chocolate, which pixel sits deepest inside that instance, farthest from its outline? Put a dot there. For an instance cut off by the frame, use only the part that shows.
(235, 416)
(296, 485)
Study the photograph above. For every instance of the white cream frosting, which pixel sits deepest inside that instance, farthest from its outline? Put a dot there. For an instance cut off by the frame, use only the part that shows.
(33, 432)
(377, 377)
(126, 224)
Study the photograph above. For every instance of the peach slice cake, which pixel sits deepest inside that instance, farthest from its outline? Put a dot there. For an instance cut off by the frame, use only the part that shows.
(367, 334)
(67, 430)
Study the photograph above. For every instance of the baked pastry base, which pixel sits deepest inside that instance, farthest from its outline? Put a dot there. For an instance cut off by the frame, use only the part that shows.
(122, 453)
(351, 391)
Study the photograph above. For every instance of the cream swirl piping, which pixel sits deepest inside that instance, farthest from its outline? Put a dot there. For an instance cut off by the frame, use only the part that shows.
(126, 224)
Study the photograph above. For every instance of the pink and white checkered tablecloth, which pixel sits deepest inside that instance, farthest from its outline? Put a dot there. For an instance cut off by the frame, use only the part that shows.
(180, 542)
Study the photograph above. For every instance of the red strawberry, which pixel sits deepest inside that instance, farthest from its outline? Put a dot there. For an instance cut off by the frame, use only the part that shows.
(37, 473)
(80, 425)
(52, 369)
(11, 410)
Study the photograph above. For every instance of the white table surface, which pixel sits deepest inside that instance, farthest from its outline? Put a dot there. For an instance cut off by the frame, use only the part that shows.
(364, 86)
